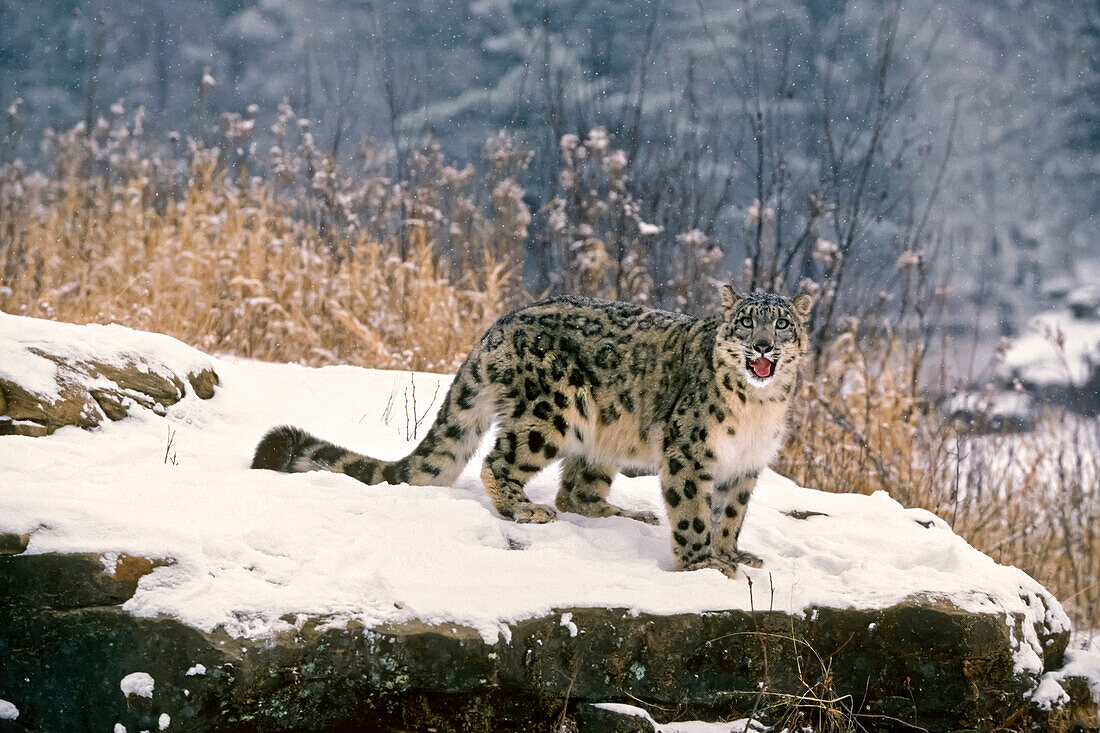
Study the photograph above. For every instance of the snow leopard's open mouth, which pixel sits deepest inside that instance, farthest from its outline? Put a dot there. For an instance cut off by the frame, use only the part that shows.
(761, 366)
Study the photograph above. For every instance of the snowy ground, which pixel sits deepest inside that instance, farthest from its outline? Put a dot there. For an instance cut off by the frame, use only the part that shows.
(1056, 349)
(253, 549)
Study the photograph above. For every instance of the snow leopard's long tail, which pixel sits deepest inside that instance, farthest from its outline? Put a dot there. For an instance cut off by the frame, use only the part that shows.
(440, 457)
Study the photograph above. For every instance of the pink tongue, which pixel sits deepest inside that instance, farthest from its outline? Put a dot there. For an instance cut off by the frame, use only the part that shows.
(761, 366)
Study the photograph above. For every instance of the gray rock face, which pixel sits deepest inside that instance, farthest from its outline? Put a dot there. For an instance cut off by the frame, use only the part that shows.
(66, 644)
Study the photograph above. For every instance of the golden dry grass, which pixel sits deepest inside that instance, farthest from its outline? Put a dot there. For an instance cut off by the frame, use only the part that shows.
(229, 269)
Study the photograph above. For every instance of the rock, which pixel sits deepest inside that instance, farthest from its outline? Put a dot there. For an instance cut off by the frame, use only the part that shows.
(29, 428)
(61, 374)
(203, 383)
(13, 544)
(66, 582)
(77, 403)
(1066, 695)
(923, 663)
(593, 719)
(1081, 713)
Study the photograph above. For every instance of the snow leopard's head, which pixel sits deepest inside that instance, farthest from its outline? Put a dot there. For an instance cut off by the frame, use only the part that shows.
(763, 335)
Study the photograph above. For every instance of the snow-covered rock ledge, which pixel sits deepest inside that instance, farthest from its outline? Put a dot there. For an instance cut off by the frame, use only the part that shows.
(56, 374)
(259, 601)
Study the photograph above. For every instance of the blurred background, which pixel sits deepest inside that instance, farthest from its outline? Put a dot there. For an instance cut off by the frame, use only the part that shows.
(374, 182)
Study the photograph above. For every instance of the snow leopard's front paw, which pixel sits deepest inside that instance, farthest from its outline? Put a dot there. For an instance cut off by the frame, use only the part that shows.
(646, 517)
(531, 513)
(740, 557)
(722, 565)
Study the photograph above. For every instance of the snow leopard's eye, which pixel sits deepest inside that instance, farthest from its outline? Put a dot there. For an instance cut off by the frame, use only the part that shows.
(782, 323)
(745, 322)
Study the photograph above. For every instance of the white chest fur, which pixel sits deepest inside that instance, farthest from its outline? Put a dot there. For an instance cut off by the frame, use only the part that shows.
(757, 435)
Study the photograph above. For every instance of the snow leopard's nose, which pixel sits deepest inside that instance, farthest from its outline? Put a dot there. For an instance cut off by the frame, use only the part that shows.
(762, 346)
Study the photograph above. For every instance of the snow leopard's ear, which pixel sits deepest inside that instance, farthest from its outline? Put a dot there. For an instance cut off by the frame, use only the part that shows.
(730, 299)
(802, 304)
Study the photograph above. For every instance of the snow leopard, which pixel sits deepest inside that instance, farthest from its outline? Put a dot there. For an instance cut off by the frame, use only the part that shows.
(601, 385)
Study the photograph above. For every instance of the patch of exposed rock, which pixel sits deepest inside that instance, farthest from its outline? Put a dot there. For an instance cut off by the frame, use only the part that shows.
(67, 644)
(52, 375)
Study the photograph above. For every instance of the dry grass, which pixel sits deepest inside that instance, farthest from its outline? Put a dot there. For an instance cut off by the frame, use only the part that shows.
(1028, 500)
(229, 269)
(284, 271)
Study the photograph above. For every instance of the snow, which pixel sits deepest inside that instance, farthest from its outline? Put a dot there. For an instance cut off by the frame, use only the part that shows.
(1057, 350)
(1080, 664)
(137, 683)
(1049, 694)
(163, 721)
(1010, 404)
(197, 670)
(119, 728)
(8, 711)
(567, 623)
(109, 561)
(252, 547)
(690, 726)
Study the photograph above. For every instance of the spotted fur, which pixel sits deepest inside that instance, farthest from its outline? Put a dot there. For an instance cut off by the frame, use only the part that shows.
(603, 385)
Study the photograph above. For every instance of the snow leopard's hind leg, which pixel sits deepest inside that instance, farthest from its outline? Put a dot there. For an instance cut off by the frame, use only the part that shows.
(521, 450)
(584, 489)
